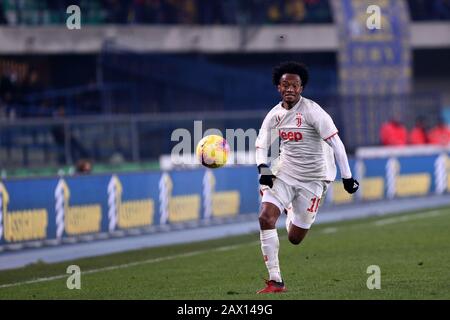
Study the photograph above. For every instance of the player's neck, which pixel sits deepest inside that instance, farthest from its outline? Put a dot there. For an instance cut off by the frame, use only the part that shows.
(289, 106)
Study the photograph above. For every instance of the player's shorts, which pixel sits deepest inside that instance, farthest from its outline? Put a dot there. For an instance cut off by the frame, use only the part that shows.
(303, 203)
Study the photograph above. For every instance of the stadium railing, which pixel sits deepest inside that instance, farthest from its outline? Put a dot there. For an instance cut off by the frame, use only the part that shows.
(90, 99)
(106, 138)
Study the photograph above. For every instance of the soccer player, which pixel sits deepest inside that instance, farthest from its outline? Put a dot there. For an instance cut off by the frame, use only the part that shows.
(304, 168)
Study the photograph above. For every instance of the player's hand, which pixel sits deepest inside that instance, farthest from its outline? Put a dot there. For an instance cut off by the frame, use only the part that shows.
(350, 185)
(266, 176)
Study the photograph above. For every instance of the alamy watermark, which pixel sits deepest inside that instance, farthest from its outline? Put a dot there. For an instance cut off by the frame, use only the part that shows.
(374, 280)
(242, 143)
(74, 280)
(374, 20)
(73, 21)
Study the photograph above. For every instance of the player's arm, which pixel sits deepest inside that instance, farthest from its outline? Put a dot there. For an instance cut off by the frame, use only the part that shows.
(350, 184)
(324, 125)
(262, 145)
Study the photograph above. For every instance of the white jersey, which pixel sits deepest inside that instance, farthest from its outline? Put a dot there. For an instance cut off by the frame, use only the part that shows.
(304, 155)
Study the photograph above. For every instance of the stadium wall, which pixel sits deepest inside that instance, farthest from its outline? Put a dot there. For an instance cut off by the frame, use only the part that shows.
(216, 39)
(52, 211)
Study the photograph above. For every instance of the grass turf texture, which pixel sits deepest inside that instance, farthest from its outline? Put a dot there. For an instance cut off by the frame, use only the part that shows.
(412, 250)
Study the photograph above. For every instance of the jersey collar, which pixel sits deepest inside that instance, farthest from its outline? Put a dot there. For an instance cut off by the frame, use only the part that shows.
(294, 107)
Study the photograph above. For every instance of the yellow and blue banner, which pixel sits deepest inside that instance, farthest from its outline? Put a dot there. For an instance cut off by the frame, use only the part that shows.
(55, 209)
(374, 55)
(70, 207)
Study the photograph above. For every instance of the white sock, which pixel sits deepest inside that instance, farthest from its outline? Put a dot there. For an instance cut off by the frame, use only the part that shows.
(269, 247)
(288, 220)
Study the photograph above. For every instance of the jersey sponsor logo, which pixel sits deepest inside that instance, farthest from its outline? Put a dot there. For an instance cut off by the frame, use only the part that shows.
(291, 135)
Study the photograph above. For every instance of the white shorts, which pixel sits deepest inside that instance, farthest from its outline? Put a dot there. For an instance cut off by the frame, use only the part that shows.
(303, 203)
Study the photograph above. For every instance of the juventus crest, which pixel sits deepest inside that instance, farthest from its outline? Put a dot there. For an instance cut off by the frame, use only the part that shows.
(299, 119)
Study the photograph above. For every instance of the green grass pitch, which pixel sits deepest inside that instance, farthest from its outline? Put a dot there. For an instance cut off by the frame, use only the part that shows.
(412, 251)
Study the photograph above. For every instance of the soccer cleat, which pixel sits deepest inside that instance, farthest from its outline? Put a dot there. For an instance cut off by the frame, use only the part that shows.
(273, 287)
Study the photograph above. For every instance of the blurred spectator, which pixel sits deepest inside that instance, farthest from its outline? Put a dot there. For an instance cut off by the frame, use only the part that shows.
(83, 166)
(418, 134)
(440, 134)
(8, 93)
(170, 11)
(117, 11)
(188, 12)
(147, 11)
(422, 10)
(419, 9)
(295, 11)
(32, 83)
(393, 133)
(17, 83)
(2, 16)
(210, 12)
(274, 12)
(442, 9)
(6, 88)
(29, 86)
(317, 11)
(77, 150)
(203, 12)
(258, 16)
(3, 111)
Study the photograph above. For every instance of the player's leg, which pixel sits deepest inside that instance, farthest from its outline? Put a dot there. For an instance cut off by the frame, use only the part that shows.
(269, 215)
(304, 210)
(270, 212)
(270, 243)
(296, 234)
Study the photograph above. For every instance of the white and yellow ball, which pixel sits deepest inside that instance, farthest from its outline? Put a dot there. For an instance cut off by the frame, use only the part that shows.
(212, 151)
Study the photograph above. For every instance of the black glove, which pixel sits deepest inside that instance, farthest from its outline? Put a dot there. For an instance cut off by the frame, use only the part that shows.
(350, 185)
(266, 176)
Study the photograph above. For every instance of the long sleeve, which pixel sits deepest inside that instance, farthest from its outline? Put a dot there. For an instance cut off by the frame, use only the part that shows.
(341, 156)
(264, 141)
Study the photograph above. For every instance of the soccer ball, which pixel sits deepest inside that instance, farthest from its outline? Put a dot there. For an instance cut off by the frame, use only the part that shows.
(212, 151)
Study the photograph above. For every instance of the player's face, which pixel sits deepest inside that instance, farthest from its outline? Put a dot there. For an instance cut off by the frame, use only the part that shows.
(290, 88)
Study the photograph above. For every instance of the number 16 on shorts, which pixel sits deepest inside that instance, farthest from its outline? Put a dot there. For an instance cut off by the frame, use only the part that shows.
(314, 205)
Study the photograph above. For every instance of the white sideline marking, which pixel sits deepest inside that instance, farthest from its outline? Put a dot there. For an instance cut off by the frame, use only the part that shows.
(428, 214)
(127, 265)
(329, 230)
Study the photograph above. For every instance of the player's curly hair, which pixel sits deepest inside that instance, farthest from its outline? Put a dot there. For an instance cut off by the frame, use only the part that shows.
(290, 67)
